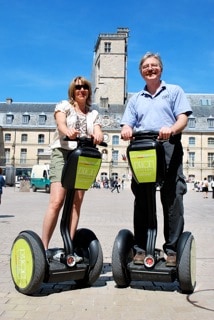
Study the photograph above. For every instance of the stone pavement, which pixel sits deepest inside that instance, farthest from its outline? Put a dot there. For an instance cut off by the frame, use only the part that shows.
(106, 213)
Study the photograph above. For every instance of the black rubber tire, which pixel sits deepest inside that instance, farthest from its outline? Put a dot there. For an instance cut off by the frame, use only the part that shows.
(95, 272)
(88, 246)
(186, 265)
(47, 189)
(122, 254)
(28, 250)
(34, 188)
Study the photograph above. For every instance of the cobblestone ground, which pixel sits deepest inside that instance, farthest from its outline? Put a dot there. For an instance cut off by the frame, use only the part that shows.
(106, 213)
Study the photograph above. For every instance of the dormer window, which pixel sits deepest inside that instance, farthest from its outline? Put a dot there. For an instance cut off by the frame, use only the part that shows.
(206, 102)
(210, 122)
(191, 122)
(25, 118)
(9, 118)
(42, 118)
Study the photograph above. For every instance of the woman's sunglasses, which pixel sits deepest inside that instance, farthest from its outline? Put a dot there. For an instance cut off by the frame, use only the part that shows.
(81, 86)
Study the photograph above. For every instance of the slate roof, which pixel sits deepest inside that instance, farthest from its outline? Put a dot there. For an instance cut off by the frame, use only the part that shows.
(111, 116)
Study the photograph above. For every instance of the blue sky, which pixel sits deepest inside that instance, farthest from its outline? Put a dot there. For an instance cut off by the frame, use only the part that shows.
(45, 43)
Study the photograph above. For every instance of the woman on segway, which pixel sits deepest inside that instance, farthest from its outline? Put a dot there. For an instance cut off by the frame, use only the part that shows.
(73, 118)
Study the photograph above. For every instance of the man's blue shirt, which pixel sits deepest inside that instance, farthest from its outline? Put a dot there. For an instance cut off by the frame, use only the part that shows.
(151, 112)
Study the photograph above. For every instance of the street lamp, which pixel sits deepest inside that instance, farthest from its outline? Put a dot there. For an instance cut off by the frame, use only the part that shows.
(111, 165)
(187, 164)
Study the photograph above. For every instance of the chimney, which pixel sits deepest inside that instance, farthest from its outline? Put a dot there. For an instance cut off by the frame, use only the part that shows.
(9, 100)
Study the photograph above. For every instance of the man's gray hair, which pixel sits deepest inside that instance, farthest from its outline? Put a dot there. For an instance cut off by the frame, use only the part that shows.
(149, 55)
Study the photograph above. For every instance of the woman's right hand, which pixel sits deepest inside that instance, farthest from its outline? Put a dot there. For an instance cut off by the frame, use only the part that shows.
(72, 133)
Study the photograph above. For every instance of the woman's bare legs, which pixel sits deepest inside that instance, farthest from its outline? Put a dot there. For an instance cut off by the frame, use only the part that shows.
(56, 200)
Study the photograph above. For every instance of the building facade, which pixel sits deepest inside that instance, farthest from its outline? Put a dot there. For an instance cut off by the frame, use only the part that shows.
(26, 132)
(27, 129)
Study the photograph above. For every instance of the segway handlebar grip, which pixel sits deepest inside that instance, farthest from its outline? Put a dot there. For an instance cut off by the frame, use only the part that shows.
(85, 139)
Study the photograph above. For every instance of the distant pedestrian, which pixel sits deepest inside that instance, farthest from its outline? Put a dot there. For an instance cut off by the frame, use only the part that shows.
(2, 183)
(212, 186)
(205, 188)
(116, 186)
(122, 184)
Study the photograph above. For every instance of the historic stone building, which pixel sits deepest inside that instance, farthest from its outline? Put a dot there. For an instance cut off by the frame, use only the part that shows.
(26, 129)
(110, 68)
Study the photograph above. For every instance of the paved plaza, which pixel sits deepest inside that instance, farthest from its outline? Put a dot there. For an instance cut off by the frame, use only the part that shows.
(106, 213)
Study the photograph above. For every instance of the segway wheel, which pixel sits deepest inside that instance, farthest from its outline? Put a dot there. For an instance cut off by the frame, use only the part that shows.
(186, 266)
(27, 262)
(88, 246)
(122, 254)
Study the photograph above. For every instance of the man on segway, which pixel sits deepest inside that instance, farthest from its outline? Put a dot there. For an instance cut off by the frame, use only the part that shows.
(164, 108)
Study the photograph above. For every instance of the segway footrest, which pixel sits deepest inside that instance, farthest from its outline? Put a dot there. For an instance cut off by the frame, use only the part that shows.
(159, 273)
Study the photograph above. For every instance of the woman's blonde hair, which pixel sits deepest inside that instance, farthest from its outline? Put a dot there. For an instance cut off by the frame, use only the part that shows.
(71, 89)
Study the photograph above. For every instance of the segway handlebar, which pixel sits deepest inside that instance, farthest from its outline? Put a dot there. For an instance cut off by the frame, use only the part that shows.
(138, 135)
(85, 141)
(145, 134)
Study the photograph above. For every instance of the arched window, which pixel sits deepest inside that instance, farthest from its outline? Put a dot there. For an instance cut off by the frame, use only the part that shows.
(191, 141)
(115, 140)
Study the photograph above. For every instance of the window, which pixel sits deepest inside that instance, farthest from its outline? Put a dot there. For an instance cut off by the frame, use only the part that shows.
(41, 138)
(9, 118)
(104, 176)
(191, 159)
(25, 118)
(191, 122)
(107, 47)
(115, 140)
(7, 155)
(7, 137)
(115, 156)
(210, 122)
(40, 151)
(104, 154)
(191, 141)
(205, 102)
(210, 159)
(24, 137)
(211, 141)
(191, 178)
(42, 118)
(23, 156)
(104, 103)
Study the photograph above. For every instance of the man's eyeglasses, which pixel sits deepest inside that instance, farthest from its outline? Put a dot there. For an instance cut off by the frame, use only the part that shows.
(152, 65)
(81, 86)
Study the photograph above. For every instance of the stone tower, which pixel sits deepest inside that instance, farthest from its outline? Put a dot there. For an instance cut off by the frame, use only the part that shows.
(110, 68)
